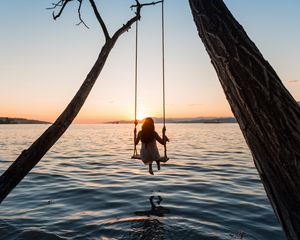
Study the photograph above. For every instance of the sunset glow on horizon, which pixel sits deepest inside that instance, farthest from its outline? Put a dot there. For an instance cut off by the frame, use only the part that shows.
(43, 62)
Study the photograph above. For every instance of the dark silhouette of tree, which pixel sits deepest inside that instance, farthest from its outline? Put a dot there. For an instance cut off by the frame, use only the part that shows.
(268, 115)
(31, 156)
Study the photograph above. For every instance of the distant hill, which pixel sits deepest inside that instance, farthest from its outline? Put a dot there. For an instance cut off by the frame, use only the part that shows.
(203, 120)
(6, 120)
(188, 120)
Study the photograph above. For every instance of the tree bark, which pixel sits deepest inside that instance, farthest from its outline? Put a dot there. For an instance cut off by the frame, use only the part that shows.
(267, 114)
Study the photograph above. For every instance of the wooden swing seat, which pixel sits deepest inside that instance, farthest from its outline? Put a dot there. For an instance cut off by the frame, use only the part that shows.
(161, 159)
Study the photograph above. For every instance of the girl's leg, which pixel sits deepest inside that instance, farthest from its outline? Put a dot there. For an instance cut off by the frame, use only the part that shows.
(158, 165)
(150, 169)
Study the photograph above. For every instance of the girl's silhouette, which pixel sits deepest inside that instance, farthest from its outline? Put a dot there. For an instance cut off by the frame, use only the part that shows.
(148, 137)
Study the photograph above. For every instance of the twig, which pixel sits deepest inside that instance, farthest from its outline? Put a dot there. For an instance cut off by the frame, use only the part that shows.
(58, 4)
(61, 4)
(79, 15)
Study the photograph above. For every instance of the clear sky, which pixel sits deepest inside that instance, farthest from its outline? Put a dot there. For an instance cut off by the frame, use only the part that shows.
(43, 62)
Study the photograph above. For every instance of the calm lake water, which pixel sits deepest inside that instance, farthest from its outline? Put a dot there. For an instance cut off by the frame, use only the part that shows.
(87, 187)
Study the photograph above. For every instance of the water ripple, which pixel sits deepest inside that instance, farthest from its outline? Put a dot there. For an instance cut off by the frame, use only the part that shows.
(87, 187)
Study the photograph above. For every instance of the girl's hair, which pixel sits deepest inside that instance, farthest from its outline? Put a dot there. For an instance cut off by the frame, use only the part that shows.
(148, 130)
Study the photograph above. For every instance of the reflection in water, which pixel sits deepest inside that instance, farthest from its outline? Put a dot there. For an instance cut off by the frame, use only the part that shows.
(158, 210)
(151, 227)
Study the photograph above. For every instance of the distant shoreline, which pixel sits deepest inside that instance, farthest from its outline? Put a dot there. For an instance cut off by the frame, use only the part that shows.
(7, 120)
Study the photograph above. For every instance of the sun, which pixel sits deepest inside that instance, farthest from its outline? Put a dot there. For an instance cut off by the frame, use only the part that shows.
(141, 115)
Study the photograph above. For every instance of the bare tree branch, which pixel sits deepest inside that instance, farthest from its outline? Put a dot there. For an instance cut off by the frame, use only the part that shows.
(79, 15)
(137, 17)
(62, 4)
(100, 20)
(58, 4)
(145, 4)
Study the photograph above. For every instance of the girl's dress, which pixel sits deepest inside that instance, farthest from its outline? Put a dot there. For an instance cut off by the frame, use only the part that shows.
(149, 152)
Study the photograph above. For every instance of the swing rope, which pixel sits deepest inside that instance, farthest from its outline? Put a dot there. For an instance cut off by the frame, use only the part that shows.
(163, 75)
(135, 154)
(135, 86)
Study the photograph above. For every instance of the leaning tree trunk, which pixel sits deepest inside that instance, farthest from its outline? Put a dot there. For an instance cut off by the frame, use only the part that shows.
(268, 115)
(30, 157)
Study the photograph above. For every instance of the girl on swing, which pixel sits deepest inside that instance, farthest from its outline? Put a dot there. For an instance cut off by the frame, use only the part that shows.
(148, 137)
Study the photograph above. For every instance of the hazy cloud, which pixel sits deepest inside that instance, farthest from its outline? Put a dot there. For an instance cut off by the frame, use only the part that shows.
(194, 104)
(293, 81)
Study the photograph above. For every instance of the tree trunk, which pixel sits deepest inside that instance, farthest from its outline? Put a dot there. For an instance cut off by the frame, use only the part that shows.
(267, 114)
